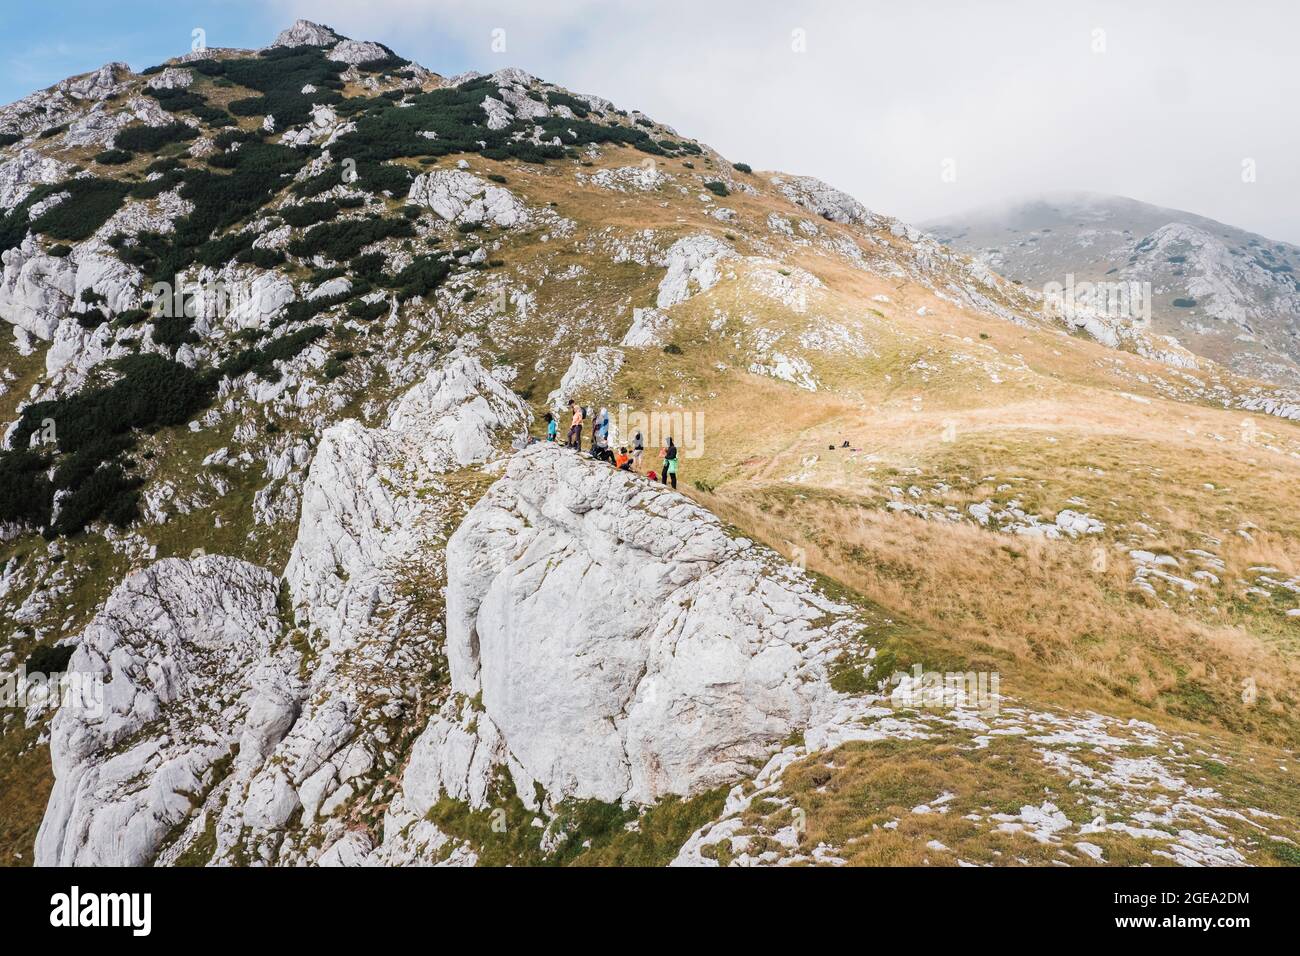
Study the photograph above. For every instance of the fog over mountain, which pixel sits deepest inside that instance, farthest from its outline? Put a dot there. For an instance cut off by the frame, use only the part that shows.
(1225, 293)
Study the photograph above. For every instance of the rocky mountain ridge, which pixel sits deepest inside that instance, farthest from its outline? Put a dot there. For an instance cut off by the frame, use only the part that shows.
(282, 321)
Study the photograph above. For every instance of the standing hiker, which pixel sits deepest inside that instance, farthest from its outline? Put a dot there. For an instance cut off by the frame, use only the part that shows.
(638, 449)
(670, 463)
(600, 433)
(552, 426)
(575, 427)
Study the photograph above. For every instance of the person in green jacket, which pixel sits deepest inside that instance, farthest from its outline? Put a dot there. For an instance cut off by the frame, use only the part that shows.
(670, 463)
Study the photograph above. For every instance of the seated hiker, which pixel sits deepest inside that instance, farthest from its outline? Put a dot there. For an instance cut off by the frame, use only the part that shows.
(623, 461)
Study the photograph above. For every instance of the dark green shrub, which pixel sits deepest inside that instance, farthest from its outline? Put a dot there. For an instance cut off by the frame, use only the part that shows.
(81, 464)
(341, 241)
(279, 74)
(152, 393)
(261, 360)
(49, 658)
(383, 177)
(387, 64)
(93, 428)
(91, 318)
(559, 98)
(185, 101)
(220, 200)
(319, 276)
(131, 317)
(262, 258)
(174, 330)
(367, 311)
(421, 277)
(25, 491)
(151, 189)
(108, 493)
(717, 188)
(309, 213)
(230, 137)
(150, 139)
(336, 364)
(370, 266)
(88, 207)
(305, 309)
(113, 157)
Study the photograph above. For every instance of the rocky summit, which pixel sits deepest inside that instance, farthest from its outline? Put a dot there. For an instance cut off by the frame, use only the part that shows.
(936, 573)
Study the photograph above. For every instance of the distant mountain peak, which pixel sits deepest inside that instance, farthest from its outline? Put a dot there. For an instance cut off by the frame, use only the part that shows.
(307, 33)
(1225, 293)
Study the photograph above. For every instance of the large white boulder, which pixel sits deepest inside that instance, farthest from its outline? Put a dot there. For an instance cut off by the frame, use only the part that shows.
(588, 378)
(29, 169)
(694, 265)
(36, 290)
(376, 513)
(461, 197)
(364, 511)
(192, 666)
(824, 200)
(170, 79)
(356, 51)
(622, 644)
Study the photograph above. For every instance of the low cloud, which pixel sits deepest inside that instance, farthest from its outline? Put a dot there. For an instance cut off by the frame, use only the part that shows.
(920, 110)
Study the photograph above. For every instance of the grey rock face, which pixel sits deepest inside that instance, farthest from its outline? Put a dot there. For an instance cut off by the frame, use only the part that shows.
(192, 669)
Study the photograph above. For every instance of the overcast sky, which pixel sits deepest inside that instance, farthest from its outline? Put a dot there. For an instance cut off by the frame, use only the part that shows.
(1164, 103)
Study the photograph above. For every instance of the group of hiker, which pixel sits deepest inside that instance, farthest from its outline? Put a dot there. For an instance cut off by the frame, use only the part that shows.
(627, 458)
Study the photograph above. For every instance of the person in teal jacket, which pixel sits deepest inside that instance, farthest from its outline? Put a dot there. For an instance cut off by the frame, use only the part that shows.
(670, 463)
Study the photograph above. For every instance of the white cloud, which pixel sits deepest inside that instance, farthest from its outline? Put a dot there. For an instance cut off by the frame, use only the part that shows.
(1012, 92)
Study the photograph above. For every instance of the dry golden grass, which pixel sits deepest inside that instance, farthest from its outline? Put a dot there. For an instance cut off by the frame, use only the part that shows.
(1059, 428)
(859, 800)
(25, 784)
(1034, 610)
